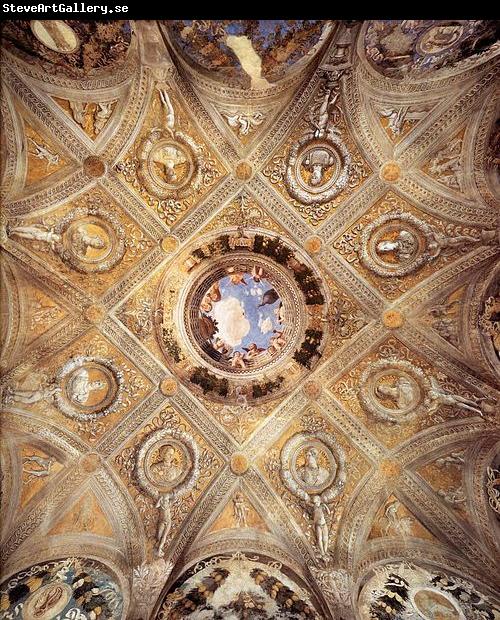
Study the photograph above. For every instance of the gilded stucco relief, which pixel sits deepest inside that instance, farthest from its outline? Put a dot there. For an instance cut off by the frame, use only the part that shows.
(250, 306)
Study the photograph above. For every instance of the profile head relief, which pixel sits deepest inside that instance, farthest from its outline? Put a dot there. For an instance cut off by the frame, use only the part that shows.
(92, 241)
(388, 246)
(384, 391)
(312, 457)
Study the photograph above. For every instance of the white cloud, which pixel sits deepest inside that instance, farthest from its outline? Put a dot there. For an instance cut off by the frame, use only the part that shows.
(231, 321)
(266, 325)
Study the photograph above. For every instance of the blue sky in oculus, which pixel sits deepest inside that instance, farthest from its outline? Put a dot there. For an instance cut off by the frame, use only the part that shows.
(241, 320)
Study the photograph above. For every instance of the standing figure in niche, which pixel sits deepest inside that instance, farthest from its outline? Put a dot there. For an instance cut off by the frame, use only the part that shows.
(320, 524)
(240, 510)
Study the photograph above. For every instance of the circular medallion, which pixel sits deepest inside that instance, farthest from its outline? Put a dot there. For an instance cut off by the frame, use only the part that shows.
(317, 169)
(313, 465)
(91, 462)
(48, 601)
(92, 239)
(167, 463)
(95, 313)
(243, 171)
(437, 39)
(432, 604)
(239, 463)
(394, 390)
(169, 244)
(392, 319)
(168, 386)
(169, 164)
(313, 244)
(94, 166)
(395, 245)
(390, 469)
(312, 389)
(56, 35)
(90, 388)
(390, 172)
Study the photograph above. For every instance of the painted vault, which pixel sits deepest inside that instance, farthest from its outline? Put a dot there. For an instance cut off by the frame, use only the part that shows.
(250, 320)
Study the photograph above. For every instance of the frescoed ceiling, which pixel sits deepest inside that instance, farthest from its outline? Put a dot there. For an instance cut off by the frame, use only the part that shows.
(250, 320)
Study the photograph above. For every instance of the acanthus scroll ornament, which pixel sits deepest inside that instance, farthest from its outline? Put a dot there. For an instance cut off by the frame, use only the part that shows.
(493, 489)
(147, 583)
(337, 586)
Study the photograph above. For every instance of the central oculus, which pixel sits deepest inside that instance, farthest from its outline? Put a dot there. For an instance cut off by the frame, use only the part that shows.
(240, 316)
(241, 321)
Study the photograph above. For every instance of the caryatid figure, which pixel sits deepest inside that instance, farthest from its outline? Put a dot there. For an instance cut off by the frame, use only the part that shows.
(164, 523)
(320, 524)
